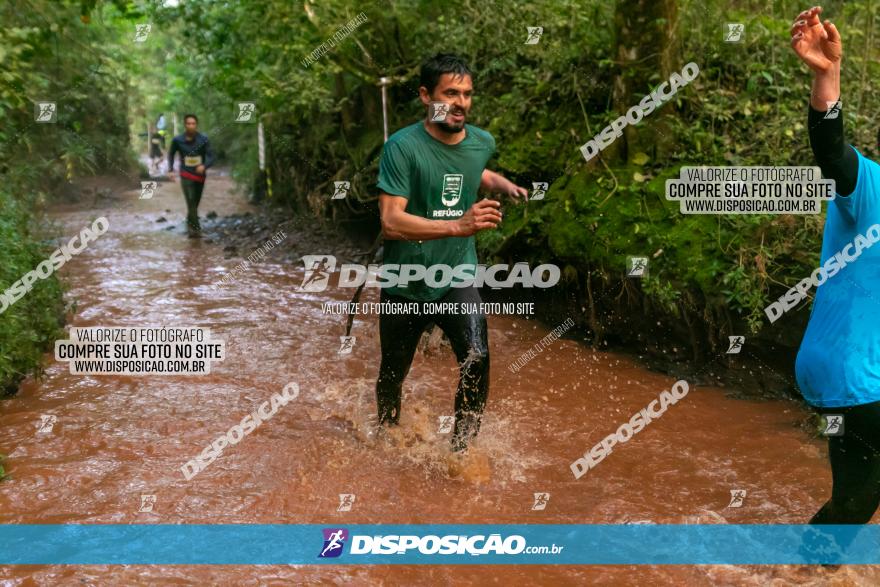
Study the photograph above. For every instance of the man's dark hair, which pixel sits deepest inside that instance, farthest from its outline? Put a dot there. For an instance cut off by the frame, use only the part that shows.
(439, 64)
(193, 116)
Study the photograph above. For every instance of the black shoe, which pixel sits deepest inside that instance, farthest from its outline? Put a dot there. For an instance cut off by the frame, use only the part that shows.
(193, 229)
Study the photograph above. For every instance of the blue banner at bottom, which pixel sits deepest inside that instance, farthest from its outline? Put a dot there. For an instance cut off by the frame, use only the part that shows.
(430, 544)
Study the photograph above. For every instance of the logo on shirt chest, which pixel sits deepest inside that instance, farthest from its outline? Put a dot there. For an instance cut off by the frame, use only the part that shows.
(451, 193)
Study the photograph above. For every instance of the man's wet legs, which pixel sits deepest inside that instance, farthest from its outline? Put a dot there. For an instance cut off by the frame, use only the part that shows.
(399, 336)
(192, 192)
(468, 334)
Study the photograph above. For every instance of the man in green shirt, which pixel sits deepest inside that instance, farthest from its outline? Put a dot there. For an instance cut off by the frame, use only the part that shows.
(429, 176)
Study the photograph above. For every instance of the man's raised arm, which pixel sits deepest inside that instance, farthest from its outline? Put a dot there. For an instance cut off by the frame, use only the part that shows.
(818, 45)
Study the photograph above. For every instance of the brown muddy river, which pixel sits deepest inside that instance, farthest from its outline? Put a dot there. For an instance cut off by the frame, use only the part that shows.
(116, 438)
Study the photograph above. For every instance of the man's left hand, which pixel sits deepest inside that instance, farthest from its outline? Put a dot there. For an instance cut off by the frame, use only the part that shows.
(514, 191)
(495, 183)
(200, 169)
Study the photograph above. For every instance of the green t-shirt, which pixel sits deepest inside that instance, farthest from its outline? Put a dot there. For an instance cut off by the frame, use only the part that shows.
(440, 182)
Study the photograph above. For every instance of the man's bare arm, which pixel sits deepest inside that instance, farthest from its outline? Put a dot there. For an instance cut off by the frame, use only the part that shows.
(826, 88)
(495, 183)
(397, 224)
(819, 45)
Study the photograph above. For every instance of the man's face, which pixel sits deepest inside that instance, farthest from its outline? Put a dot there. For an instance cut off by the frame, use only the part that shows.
(456, 91)
(191, 125)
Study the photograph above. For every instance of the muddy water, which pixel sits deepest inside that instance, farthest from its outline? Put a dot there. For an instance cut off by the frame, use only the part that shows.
(116, 438)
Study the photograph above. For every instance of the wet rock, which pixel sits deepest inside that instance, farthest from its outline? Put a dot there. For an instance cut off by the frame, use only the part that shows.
(212, 215)
(161, 219)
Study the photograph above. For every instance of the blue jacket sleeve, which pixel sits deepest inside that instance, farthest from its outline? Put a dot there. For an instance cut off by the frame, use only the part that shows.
(209, 154)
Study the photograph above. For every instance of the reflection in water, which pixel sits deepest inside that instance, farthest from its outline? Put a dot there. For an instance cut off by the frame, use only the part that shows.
(116, 439)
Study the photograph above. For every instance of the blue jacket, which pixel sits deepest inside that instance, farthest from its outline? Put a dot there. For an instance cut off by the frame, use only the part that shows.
(192, 154)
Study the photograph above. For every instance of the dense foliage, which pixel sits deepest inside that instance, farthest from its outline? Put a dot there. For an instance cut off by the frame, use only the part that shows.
(51, 51)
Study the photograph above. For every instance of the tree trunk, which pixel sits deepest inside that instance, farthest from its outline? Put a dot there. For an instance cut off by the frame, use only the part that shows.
(345, 110)
(646, 44)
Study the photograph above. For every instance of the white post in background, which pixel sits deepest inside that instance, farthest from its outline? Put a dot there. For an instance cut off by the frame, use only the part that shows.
(383, 83)
(175, 124)
(148, 138)
(261, 146)
(264, 179)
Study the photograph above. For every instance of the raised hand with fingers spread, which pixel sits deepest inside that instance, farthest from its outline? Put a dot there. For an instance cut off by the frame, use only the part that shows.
(817, 43)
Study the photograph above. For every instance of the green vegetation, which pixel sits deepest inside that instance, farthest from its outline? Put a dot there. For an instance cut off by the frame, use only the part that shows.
(50, 51)
(30, 325)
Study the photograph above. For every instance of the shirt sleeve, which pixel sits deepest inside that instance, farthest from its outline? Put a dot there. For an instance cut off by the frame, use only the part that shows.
(835, 156)
(861, 204)
(493, 151)
(209, 154)
(394, 170)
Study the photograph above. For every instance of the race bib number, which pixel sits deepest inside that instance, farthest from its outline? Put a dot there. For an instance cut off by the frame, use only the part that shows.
(155, 141)
(192, 160)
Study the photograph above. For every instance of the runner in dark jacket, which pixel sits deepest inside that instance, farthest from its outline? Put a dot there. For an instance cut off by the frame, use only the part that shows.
(157, 146)
(196, 157)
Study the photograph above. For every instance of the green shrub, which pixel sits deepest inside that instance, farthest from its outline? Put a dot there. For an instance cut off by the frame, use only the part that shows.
(29, 326)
